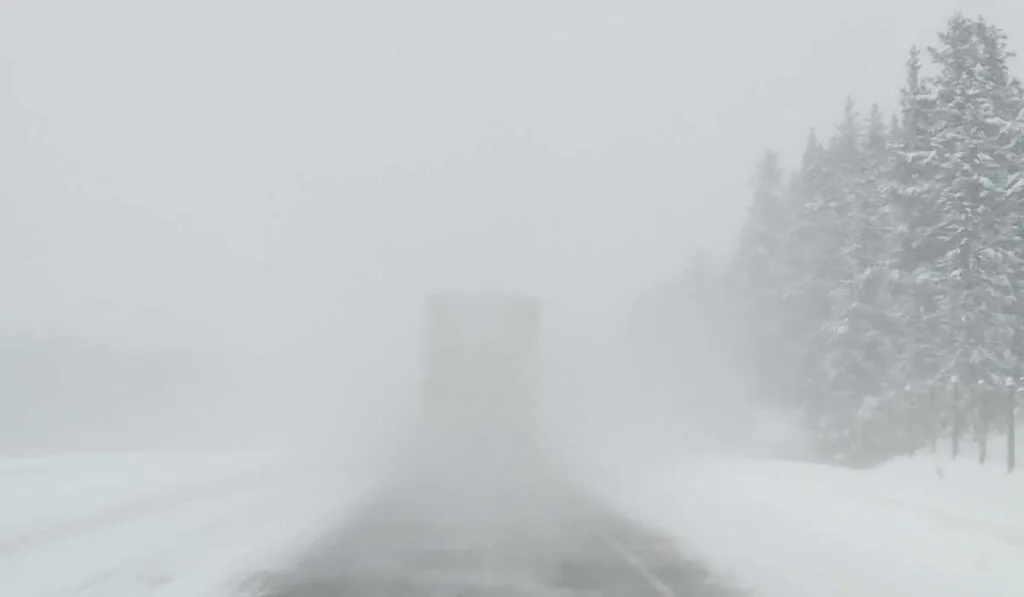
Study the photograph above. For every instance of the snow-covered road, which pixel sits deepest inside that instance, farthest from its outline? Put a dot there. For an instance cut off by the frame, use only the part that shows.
(561, 544)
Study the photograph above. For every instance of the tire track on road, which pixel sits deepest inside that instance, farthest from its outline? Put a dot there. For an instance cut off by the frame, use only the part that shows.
(588, 552)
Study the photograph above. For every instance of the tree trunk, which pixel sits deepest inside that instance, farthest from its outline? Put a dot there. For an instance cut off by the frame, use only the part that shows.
(955, 431)
(933, 420)
(982, 425)
(1011, 431)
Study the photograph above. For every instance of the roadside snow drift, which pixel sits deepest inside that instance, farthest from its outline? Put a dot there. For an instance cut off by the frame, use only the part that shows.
(799, 530)
(118, 525)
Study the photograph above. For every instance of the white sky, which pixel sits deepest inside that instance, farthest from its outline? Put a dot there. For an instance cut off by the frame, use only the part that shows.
(245, 173)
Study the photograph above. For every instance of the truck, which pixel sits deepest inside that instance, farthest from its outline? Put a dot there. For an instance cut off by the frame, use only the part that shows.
(478, 432)
(481, 358)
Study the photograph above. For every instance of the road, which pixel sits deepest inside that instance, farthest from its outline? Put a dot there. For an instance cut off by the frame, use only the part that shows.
(561, 547)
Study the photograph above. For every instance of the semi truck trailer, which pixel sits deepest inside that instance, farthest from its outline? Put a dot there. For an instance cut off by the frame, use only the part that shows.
(481, 358)
(478, 436)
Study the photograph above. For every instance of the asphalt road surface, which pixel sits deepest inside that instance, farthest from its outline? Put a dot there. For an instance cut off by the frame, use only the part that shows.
(555, 547)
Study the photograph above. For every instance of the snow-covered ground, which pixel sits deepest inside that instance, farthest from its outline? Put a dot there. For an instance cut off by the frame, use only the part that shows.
(200, 525)
(920, 526)
(135, 525)
(42, 492)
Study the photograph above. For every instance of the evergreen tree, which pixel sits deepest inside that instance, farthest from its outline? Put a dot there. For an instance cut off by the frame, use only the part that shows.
(812, 254)
(763, 282)
(856, 331)
(893, 259)
(975, 101)
(915, 217)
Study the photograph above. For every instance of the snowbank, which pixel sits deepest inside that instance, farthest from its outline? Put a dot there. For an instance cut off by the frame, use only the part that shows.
(785, 529)
(41, 492)
(167, 525)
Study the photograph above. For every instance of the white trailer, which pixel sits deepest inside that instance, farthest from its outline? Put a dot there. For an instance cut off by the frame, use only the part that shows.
(478, 437)
(481, 362)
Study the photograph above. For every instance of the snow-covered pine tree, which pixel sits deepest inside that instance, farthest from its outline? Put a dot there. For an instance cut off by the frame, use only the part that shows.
(894, 258)
(856, 331)
(763, 280)
(876, 264)
(1006, 149)
(975, 101)
(843, 328)
(1014, 223)
(816, 260)
(873, 262)
(916, 215)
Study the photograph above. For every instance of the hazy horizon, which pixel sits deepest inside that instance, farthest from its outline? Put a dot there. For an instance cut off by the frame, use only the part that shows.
(258, 182)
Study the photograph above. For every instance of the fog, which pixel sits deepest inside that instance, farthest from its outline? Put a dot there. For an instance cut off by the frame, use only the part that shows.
(221, 218)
